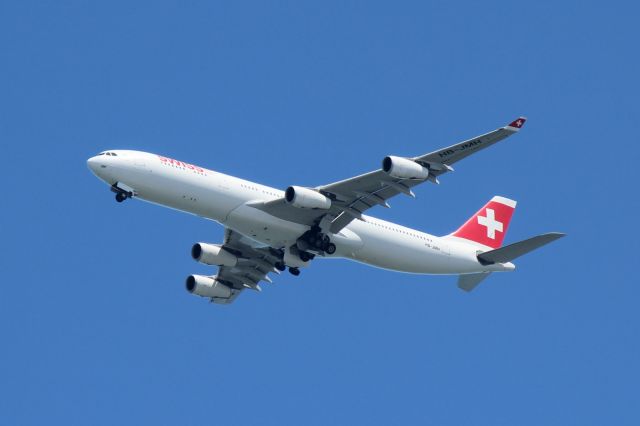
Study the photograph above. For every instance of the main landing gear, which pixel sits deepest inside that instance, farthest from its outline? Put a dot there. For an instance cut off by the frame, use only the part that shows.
(294, 271)
(315, 240)
(305, 256)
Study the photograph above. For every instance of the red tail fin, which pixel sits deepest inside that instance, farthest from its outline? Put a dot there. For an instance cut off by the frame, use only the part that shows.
(489, 225)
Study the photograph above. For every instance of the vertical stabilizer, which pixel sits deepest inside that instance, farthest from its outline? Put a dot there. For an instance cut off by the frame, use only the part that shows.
(489, 225)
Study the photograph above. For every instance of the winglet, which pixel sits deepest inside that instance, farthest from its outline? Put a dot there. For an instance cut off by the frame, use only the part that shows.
(517, 124)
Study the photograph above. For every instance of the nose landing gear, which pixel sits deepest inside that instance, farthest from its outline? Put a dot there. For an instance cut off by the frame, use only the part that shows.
(121, 193)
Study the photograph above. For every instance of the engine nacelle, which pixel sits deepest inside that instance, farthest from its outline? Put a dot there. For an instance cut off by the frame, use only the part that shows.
(212, 254)
(305, 198)
(404, 168)
(207, 287)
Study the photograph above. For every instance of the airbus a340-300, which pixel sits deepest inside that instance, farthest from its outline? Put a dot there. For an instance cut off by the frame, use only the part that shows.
(268, 230)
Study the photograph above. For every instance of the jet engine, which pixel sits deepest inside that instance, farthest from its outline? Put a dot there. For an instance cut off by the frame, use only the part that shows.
(404, 168)
(212, 254)
(207, 287)
(305, 198)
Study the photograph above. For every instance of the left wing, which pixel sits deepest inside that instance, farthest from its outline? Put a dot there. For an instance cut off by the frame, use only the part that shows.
(351, 197)
(254, 264)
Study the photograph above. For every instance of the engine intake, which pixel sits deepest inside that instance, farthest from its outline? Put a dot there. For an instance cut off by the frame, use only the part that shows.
(404, 168)
(212, 254)
(206, 287)
(305, 198)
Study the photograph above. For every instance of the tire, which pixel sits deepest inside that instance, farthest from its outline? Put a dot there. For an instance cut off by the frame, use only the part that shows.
(331, 248)
(294, 271)
(304, 256)
(280, 266)
(120, 197)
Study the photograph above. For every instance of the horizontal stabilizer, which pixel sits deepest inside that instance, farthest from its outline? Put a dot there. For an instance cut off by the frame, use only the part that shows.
(512, 251)
(468, 282)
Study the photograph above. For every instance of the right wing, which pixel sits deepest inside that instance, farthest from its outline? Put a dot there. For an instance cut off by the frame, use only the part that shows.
(374, 188)
(351, 197)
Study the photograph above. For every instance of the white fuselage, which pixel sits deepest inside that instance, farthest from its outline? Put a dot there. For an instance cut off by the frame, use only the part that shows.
(224, 199)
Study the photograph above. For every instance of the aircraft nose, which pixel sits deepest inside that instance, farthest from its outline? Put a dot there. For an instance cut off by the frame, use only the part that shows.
(93, 164)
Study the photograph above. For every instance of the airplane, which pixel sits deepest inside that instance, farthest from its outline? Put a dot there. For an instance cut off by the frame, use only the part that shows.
(268, 230)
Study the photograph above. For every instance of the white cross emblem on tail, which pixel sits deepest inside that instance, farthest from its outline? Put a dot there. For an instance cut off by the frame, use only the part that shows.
(491, 223)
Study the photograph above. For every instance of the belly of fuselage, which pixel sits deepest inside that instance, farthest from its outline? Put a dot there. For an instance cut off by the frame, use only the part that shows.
(391, 249)
(263, 227)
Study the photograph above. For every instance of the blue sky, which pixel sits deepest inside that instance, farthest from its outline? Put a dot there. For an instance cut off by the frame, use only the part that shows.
(96, 325)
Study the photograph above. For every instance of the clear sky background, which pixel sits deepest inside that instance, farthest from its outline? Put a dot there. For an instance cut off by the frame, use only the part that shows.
(95, 324)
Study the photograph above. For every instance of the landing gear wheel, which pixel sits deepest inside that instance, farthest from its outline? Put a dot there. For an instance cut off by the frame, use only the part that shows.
(280, 266)
(120, 197)
(304, 256)
(294, 271)
(331, 248)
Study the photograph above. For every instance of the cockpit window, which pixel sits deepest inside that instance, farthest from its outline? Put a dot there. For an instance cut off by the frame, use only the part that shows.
(114, 154)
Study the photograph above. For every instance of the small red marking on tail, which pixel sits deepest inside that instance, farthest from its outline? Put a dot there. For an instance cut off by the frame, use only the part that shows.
(489, 225)
(518, 123)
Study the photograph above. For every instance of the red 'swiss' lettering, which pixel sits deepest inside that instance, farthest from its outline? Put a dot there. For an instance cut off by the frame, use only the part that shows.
(172, 162)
